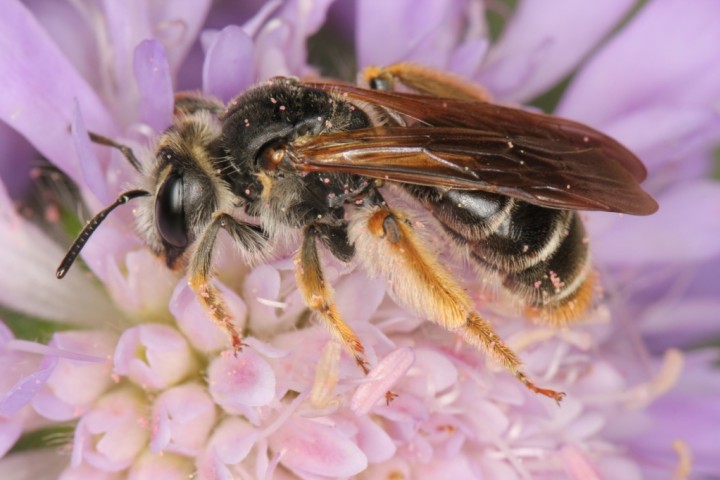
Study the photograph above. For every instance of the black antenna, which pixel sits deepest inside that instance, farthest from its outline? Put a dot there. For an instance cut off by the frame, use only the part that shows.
(124, 149)
(90, 227)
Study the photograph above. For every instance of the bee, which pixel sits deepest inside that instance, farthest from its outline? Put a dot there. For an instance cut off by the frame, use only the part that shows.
(319, 159)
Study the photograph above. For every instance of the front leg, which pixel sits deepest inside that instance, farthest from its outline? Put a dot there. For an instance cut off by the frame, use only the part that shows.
(318, 295)
(251, 239)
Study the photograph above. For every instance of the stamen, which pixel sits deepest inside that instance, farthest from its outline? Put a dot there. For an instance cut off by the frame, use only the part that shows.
(668, 376)
(684, 466)
(271, 303)
(327, 376)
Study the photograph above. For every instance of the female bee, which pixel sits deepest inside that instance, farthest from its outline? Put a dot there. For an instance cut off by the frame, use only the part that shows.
(317, 158)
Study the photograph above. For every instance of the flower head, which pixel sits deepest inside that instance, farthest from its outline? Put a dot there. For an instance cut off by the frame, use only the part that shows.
(133, 379)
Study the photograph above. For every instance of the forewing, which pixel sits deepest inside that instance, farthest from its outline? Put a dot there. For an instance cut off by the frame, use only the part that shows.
(471, 145)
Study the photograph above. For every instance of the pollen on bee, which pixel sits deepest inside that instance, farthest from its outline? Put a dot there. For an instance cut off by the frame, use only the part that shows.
(556, 282)
(586, 139)
(510, 145)
(567, 186)
(273, 100)
(525, 248)
(282, 108)
(537, 284)
(326, 180)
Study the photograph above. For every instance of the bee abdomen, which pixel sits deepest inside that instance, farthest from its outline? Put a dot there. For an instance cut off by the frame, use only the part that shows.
(540, 254)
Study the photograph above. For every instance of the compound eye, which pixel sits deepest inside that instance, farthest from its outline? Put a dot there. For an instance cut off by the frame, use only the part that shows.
(170, 212)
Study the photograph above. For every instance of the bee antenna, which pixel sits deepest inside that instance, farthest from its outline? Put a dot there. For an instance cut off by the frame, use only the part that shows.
(90, 227)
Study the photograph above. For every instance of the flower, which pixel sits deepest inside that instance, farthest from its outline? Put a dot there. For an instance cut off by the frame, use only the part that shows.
(130, 378)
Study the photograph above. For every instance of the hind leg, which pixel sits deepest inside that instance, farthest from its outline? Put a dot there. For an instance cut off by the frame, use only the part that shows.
(388, 246)
(425, 80)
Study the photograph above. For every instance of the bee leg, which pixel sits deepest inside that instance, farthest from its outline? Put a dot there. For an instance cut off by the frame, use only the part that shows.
(425, 80)
(318, 295)
(251, 239)
(387, 245)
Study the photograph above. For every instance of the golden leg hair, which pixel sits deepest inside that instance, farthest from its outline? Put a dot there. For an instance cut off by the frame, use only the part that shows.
(424, 80)
(318, 296)
(387, 245)
(250, 238)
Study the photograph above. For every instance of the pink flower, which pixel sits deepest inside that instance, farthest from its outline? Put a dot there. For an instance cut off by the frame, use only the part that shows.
(127, 357)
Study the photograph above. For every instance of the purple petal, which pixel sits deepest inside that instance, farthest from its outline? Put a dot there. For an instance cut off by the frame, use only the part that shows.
(232, 440)
(577, 465)
(16, 161)
(10, 430)
(458, 467)
(261, 289)
(23, 391)
(38, 108)
(424, 31)
(680, 323)
(671, 47)
(37, 463)
(358, 309)
(154, 356)
(374, 440)
(145, 283)
(92, 170)
(680, 140)
(83, 374)
(27, 259)
(692, 237)
(241, 380)
(438, 371)
(229, 66)
(152, 74)
(176, 26)
(317, 449)
(127, 24)
(273, 44)
(543, 42)
(303, 19)
(112, 435)
(183, 417)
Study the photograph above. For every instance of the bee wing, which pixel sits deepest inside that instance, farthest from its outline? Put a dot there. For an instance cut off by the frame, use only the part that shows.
(511, 122)
(478, 146)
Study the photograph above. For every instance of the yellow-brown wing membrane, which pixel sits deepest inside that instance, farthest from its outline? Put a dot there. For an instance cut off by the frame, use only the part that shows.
(458, 144)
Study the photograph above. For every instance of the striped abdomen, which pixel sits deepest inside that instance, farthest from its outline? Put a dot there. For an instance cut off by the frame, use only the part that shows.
(541, 254)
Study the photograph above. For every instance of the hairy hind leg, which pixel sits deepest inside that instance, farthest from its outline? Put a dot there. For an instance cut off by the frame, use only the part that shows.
(387, 245)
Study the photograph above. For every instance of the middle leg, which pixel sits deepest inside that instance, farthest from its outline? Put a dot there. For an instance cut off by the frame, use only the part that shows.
(318, 295)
